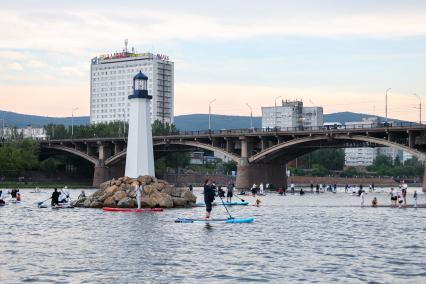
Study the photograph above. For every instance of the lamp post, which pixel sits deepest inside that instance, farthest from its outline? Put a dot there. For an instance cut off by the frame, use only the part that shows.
(72, 121)
(275, 111)
(251, 116)
(420, 108)
(210, 111)
(386, 104)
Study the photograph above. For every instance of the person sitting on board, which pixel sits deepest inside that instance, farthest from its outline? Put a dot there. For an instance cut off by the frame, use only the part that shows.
(138, 191)
(13, 193)
(221, 192)
(254, 189)
(55, 197)
(257, 202)
(301, 191)
(229, 192)
(82, 194)
(209, 194)
(280, 191)
(64, 196)
(374, 202)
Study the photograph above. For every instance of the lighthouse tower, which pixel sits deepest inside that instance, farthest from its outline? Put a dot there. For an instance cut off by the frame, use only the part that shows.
(140, 153)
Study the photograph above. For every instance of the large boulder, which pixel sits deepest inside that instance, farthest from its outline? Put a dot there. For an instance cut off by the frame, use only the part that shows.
(119, 195)
(110, 202)
(180, 202)
(145, 180)
(111, 189)
(187, 195)
(96, 204)
(104, 185)
(127, 202)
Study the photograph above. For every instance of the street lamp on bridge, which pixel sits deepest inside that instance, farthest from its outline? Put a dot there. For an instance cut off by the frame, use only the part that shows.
(420, 108)
(275, 110)
(251, 116)
(210, 112)
(386, 104)
(72, 121)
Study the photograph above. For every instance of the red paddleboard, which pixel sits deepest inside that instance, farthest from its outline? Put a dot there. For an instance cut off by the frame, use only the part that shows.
(134, 210)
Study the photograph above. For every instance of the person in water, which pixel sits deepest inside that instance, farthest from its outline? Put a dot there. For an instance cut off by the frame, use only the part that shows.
(415, 199)
(257, 204)
(18, 196)
(55, 197)
(301, 191)
(374, 203)
(209, 194)
(229, 192)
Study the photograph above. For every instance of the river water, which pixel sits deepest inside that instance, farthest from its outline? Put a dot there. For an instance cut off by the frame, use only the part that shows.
(312, 238)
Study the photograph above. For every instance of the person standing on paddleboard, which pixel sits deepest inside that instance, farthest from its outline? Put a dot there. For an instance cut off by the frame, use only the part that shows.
(55, 197)
(209, 195)
(138, 191)
(229, 192)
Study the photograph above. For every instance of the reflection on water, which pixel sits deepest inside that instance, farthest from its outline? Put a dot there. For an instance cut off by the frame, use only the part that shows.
(312, 238)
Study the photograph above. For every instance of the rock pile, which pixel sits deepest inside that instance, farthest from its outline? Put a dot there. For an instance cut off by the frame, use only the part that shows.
(121, 193)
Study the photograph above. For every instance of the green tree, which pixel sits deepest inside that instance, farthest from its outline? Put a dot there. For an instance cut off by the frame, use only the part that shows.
(319, 170)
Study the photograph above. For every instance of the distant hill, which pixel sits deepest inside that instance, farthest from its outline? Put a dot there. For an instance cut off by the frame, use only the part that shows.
(191, 122)
(22, 120)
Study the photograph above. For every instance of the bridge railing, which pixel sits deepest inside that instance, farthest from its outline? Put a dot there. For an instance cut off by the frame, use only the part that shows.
(260, 131)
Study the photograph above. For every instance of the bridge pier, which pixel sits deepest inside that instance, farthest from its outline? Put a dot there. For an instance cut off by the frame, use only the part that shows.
(100, 175)
(247, 174)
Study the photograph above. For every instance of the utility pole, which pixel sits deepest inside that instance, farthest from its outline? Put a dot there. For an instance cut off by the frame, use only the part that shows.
(251, 116)
(386, 104)
(210, 110)
(72, 121)
(420, 108)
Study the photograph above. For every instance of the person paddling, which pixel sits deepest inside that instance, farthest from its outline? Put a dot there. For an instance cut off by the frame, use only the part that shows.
(55, 197)
(209, 195)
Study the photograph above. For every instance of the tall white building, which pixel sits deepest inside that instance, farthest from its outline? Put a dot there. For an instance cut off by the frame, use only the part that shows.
(292, 114)
(111, 79)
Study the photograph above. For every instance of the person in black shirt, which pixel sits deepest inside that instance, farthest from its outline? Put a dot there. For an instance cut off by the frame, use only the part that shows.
(55, 197)
(209, 195)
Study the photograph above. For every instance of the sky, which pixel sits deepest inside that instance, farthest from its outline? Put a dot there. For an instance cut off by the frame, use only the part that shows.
(342, 55)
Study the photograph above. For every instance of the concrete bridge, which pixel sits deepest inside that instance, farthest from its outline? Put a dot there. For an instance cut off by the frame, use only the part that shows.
(261, 154)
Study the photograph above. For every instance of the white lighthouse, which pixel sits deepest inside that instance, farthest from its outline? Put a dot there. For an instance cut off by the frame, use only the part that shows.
(140, 153)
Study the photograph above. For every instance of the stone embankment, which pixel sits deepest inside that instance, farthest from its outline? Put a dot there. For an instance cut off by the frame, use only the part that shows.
(121, 193)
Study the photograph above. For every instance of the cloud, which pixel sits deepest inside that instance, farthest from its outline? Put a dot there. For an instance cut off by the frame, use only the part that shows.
(15, 66)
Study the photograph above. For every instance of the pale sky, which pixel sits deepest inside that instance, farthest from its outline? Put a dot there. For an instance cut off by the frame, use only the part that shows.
(342, 55)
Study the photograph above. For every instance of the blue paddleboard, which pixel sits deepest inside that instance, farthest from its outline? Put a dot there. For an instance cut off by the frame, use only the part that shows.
(233, 220)
(202, 204)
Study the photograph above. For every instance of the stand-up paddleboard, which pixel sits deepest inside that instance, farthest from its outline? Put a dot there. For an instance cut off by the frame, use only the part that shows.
(134, 210)
(202, 204)
(229, 220)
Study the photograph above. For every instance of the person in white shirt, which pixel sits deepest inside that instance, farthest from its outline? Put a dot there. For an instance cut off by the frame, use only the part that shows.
(362, 198)
(138, 191)
(261, 188)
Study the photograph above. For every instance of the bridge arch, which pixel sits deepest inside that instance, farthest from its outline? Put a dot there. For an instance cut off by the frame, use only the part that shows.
(300, 141)
(73, 151)
(122, 154)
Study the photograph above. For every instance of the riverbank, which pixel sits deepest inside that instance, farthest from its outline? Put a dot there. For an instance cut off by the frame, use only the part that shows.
(340, 181)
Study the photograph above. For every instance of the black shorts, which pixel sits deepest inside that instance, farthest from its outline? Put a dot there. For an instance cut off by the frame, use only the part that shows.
(393, 198)
(208, 207)
(229, 194)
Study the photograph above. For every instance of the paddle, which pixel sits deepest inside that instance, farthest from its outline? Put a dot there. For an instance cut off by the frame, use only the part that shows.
(41, 202)
(223, 203)
(240, 198)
